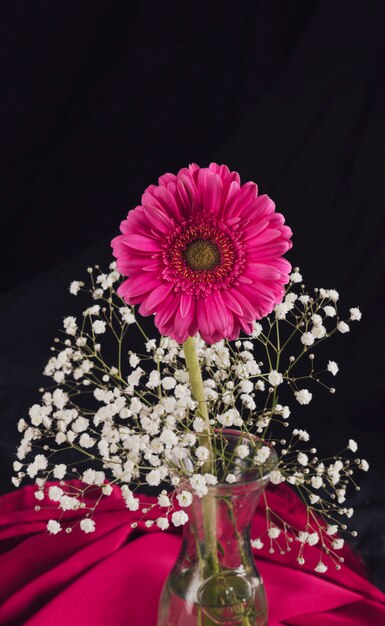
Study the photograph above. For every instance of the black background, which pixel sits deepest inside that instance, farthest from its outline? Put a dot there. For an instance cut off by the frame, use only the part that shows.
(100, 98)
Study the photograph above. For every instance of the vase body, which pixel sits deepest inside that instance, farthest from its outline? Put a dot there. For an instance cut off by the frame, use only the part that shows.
(214, 580)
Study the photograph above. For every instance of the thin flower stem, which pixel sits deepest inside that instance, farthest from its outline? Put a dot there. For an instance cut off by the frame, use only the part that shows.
(198, 392)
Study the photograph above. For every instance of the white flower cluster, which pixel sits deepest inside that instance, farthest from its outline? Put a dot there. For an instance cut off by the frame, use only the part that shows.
(137, 423)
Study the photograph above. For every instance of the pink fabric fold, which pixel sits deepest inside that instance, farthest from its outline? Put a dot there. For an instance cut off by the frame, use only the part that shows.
(115, 575)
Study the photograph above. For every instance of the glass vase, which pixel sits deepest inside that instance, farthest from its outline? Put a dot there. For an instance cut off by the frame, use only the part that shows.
(215, 580)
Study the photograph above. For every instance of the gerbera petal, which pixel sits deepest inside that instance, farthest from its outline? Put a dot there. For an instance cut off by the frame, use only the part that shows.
(186, 303)
(165, 179)
(262, 271)
(156, 296)
(137, 285)
(158, 219)
(140, 242)
(212, 193)
(232, 303)
(187, 191)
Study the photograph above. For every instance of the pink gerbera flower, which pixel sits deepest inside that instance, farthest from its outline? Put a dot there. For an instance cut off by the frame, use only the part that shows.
(204, 253)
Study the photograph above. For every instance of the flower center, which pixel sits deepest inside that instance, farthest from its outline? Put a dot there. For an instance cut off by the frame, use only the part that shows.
(202, 255)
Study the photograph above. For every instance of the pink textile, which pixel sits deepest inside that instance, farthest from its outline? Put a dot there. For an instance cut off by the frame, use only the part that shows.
(115, 575)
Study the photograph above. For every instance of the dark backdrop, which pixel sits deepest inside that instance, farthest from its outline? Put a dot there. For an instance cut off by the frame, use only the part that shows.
(101, 97)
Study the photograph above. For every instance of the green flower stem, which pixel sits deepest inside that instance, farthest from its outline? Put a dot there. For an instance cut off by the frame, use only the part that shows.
(208, 503)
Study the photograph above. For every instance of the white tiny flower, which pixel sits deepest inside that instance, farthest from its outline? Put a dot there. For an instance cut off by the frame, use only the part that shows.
(39, 495)
(262, 455)
(333, 295)
(307, 339)
(70, 325)
(179, 518)
(332, 367)
(281, 310)
(364, 465)
(316, 482)
(302, 458)
(168, 383)
(60, 471)
(202, 453)
(99, 327)
(304, 299)
(198, 483)
(169, 438)
(89, 476)
(303, 536)
(162, 523)
(276, 477)
(257, 329)
(318, 331)
(92, 310)
(321, 568)
(257, 544)
(53, 527)
(274, 532)
(316, 319)
(163, 500)
(55, 493)
(329, 311)
(184, 498)
(153, 478)
(153, 379)
(343, 327)
(230, 478)
(352, 445)
(332, 529)
(242, 451)
(246, 386)
(303, 396)
(134, 360)
(313, 539)
(127, 316)
(355, 314)
(275, 378)
(86, 441)
(75, 287)
(210, 479)
(296, 277)
(150, 345)
(302, 435)
(338, 544)
(87, 525)
(199, 425)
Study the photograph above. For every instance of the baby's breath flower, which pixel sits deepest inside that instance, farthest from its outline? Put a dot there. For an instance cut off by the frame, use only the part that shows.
(184, 498)
(303, 396)
(355, 314)
(75, 287)
(179, 518)
(275, 378)
(321, 568)
(329, 310)
(53, 527)
(332, 367)
(274, 532)
(87, 525)
(99, 327)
